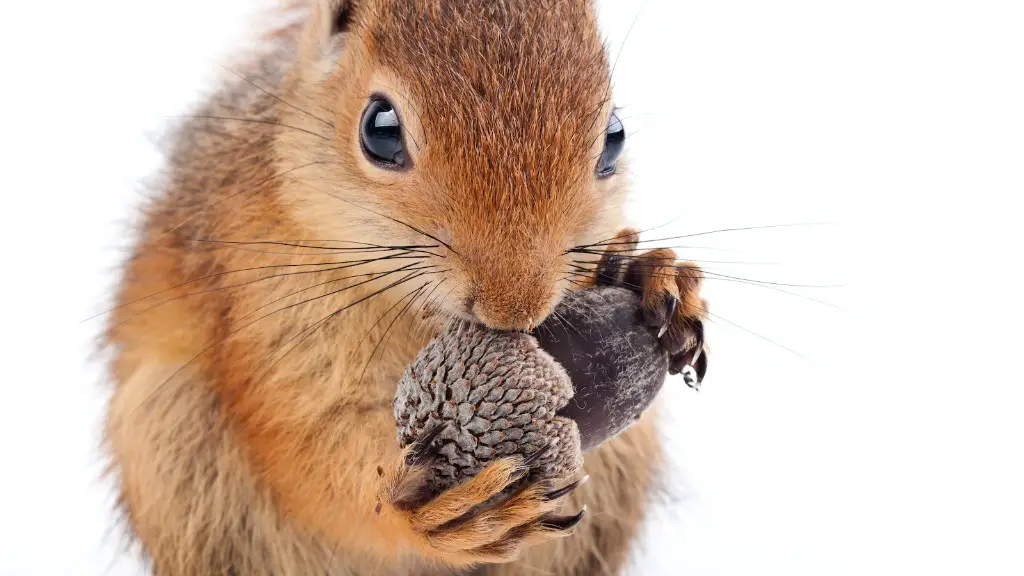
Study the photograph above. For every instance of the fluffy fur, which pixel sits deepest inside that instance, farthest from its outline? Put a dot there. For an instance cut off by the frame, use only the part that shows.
(251, 428)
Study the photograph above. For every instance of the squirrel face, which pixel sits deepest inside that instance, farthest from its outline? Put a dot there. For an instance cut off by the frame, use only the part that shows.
(482, 127)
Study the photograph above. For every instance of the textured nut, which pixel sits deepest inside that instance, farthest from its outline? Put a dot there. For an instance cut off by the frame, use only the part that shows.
(495, 394)
(583, 377)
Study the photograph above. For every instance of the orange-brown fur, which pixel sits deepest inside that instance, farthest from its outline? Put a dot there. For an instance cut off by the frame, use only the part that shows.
(246, 445)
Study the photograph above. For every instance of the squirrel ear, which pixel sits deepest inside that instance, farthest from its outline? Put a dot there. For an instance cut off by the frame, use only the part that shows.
(334, 16)
(329, 22)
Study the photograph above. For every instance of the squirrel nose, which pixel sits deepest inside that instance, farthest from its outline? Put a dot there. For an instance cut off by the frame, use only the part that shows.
(511, 289)
(501, 320)
(513, 308)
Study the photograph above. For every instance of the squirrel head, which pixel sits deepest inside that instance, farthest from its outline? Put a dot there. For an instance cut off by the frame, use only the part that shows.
(483, 128)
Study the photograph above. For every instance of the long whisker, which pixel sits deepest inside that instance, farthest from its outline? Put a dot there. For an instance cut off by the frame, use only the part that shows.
(252, 269)
(766, 282)
(586, 274)
(583, 272)
(749, 283)
(433, 302)
(324, 320)
(628, 254)
(580, 284)
(421, 312)
(241, 284)
(401, 313)
(622, 46)
(374, 325)
(311, 329)
(620, 235)
(707, 232)
(395, 220)
(406, 268)
(723, 276)
(362, 246)
(752, 333)
(255, 186)
(631, 253)
(326, 249)
(326, 252)
(426, 300)
(388, 329)
(211, 343)
(251, 121)
(276, 97)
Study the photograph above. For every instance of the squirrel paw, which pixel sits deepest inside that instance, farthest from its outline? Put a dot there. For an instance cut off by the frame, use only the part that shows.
(671, 299)
(489, 518)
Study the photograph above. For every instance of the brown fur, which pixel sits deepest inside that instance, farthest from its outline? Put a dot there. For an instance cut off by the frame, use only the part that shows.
(247, 444)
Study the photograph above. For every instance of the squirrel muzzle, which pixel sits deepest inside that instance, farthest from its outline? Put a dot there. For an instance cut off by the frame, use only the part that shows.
(512, 289)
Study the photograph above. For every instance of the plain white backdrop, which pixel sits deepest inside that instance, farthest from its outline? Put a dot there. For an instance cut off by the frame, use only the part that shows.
(871, 425)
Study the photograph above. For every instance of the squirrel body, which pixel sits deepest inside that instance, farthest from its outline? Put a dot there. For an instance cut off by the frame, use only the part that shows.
(280, 283)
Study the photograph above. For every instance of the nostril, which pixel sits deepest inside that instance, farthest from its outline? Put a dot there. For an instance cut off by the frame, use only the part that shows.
(516, 308)
(502, 320)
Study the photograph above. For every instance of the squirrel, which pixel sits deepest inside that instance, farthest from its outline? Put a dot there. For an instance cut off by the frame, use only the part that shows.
(380, 168)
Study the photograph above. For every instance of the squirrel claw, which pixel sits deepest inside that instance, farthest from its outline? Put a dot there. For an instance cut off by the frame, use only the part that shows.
(539, 454)
(473, 522)
(556, 494)
(423, 450)
(670, 300)
(565, 523)
(693, 363)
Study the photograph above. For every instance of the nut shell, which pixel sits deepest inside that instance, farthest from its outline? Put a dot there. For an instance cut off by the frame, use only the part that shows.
(615, 361)
(496, 394)
(583, 377)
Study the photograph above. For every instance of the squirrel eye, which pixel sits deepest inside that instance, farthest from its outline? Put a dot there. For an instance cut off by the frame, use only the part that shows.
(614, 141)
(380, 134)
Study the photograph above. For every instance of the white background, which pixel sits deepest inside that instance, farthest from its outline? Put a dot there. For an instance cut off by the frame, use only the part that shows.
(879, 434)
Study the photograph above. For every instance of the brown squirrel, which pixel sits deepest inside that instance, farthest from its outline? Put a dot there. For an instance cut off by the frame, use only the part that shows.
(386, 166)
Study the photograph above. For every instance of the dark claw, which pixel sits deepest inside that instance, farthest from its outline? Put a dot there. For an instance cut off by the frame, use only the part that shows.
(518, 475)
(541, 452)
(416, 498)
(693, 376)
(673, 303)
(633, 279)
(701, 367)
(674, 341)
(690, 377)
(698, 348)
(564, 523)
(609, 270)
(660, 315)
(422, 450)
(556, 494)
(676, 364)
(693, 363)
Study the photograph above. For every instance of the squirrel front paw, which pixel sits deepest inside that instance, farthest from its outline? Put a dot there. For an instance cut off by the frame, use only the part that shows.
(671, 299)
(489, 518)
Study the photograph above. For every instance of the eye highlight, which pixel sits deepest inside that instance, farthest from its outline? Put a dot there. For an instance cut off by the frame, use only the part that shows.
(614, 142)
(380, 134)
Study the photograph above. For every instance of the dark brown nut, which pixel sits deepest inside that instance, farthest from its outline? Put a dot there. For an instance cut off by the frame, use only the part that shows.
(615, 361)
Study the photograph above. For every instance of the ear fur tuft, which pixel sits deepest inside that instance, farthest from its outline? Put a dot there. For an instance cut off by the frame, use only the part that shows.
(341, 16)
(334, 16)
